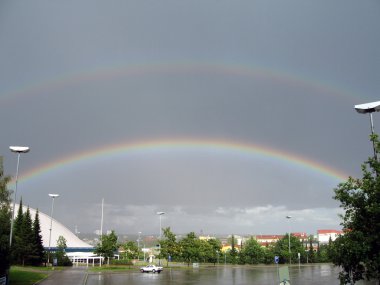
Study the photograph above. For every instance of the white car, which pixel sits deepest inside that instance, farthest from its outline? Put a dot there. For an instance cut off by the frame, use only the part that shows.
(151, 268)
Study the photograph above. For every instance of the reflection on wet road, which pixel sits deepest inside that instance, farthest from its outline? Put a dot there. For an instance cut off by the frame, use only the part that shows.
(239, 275)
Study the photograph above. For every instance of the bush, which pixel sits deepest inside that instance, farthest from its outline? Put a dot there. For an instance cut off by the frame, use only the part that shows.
(121, 262)
(62, 259)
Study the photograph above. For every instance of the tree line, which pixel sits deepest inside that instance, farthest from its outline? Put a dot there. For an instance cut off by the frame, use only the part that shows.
(27, 247)
(190, 249)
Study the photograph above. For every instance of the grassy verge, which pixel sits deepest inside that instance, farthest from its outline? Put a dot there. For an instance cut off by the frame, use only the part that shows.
(111, 268)
(27, 275)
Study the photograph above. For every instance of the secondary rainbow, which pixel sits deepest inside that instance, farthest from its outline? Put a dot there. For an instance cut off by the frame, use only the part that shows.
(185, 145)
(102, 73)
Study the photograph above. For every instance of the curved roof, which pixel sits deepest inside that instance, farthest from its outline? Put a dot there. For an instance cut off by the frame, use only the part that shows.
(72, 241)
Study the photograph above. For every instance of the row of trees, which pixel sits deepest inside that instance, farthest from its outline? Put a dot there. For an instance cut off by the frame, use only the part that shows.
(27, 248)
(5, 221)
(192, 249)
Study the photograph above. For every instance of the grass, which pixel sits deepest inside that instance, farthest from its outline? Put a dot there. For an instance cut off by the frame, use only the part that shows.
(27, 275)
(111, 268)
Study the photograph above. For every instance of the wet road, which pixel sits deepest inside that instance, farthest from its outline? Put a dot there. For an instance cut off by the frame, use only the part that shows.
(240, 275)
(72, 276)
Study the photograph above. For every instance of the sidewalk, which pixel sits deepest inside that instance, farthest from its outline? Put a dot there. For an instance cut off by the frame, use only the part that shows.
(69, 276)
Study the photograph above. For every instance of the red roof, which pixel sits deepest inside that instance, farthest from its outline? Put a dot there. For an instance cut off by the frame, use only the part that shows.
(269, 237)
(321, 232)
(300, 235)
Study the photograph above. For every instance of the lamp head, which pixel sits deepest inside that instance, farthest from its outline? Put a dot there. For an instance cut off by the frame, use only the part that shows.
(54, 195)
(368, 107)
(288, 217)
(19, 149)
(160, 213)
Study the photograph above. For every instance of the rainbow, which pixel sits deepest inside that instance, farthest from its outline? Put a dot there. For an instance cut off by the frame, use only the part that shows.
(168, 68)
(185, 145)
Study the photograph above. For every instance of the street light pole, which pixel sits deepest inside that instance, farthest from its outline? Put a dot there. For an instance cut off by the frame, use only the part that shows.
(53, 196)
(18, 150)
(290, 256)
(138, 247)
(159, 243)
(369, 108)
(160, 214)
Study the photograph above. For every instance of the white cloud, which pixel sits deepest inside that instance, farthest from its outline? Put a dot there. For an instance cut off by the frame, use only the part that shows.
(266, 219)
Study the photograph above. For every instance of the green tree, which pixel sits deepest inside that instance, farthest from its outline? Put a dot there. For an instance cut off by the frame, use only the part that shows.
(131, 251)
(60, 254)
(27, 235)
(358, 250)
(324, 253)
(37, 241)
(311, 254)
(269, 254)
(281, 249)
(23, 245)
(20, 244)
(233, 253)
(216, 247)
(190, 248)
(17, 223)
(169, 246)
(252, 253)
(5, 225)
(205, 251)
(107, 246)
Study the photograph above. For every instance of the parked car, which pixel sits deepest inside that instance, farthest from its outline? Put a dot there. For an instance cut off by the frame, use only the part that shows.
(151, 268)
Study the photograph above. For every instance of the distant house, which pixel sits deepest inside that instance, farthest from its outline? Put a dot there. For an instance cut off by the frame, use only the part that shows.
(265, 240)
(206, 238)
(325, 235)
(301, 236)
(227, 247)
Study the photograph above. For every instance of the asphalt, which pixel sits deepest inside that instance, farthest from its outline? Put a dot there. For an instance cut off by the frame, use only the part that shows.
(70, 276)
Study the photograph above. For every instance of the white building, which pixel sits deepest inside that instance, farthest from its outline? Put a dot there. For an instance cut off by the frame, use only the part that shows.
(325, 235)
(77, 250)
(72, 241)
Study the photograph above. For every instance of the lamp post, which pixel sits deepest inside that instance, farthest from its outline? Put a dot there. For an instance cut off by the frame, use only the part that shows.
(369, 108)
(19, 150)
(53, 196)
(138, 247)
(159, 244)
(290, 256)
(160, 214)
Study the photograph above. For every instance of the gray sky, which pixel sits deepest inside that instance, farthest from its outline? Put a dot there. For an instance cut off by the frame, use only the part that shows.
(81, 76)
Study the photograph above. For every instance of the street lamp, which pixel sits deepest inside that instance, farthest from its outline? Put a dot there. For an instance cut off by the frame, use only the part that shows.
(160, 214)
(159, 244)
(19, 150)
(53, 196)
(138, 247)
(369, 108)
(290, 257)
